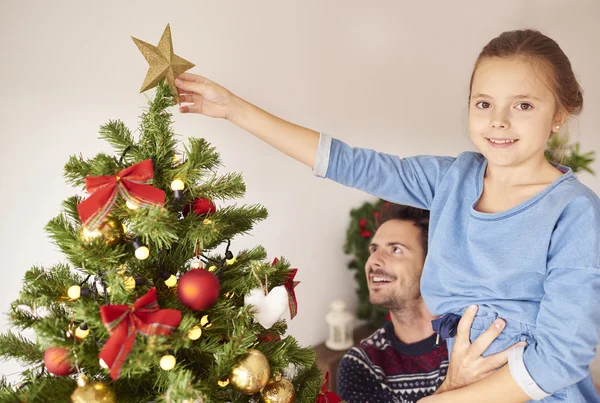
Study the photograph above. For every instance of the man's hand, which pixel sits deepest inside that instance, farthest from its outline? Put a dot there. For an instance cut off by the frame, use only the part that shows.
(467, 365)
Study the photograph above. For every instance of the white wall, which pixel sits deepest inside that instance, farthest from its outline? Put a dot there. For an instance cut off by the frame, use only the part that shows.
(390, 75)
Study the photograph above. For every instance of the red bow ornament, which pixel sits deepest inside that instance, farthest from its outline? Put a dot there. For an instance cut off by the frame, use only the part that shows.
(132, 183)
(325, 396)
(124, 321)
(289, 285)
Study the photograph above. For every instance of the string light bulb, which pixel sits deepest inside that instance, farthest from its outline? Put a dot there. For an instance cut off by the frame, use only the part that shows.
(75, 291)
(82, 331)
(132, 282)
(131, 205)
(141, 252)
(129, 283)
(195, 333)
(167, 362)
(170, 279)
(205, 322)
(177, 186)
(229, 258)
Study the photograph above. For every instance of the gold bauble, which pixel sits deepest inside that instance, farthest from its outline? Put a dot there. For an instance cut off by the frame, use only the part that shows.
(251, 373)
(281, 391)
(110, 231)
(92, 392)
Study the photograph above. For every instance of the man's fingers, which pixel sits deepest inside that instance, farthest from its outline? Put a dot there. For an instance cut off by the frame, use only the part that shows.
(464, 325)
(486, 338)
(498, 360)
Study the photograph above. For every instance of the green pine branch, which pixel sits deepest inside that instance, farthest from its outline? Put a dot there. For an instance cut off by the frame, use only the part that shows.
(15, 346)
(78, 168)
(117, 135)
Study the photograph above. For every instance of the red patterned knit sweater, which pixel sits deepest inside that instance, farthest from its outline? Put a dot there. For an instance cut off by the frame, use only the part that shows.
(383, 369)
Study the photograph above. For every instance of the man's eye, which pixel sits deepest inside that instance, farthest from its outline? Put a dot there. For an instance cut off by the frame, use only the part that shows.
(396, 249)
(483, 105)
(524, 106)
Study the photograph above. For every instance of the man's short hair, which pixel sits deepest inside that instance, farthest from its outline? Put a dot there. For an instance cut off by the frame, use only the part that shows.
(419, 217)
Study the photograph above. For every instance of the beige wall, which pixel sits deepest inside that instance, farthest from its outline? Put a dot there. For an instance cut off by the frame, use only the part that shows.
(390, 75)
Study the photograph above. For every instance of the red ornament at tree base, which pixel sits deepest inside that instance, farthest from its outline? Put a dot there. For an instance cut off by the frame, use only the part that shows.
(198, 289)
(58, 362)
(200, 206)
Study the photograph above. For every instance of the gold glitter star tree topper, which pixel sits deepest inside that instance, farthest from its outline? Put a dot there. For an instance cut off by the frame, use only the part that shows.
(164, 63)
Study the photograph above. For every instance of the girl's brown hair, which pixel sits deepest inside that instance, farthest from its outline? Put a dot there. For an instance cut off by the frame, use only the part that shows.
(535, 47)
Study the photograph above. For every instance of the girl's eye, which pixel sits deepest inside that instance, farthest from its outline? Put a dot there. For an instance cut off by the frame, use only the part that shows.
(483, 105)
(524, 106)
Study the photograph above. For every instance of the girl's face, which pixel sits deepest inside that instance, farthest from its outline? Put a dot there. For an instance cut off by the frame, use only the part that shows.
(512, 112)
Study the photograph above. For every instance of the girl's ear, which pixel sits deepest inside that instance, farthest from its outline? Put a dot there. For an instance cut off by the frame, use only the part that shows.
(560, 117)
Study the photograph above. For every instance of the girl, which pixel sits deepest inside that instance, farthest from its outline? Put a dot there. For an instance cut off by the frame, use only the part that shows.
(511, 232)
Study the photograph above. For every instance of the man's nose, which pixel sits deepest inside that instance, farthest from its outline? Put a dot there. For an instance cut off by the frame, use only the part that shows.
(375, 260)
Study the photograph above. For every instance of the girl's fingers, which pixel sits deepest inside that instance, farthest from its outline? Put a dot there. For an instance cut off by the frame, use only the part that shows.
(191, 77)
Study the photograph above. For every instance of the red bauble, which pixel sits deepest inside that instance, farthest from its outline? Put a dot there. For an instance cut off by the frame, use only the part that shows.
(57, 361)
(268, 336)
(198, 289)
(201, 206)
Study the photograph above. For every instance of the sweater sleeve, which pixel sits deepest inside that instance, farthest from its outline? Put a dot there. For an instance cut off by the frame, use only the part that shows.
(411, 181)
(568, 321)
(357, 381)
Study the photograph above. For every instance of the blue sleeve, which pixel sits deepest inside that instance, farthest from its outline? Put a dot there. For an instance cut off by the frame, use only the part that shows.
(358, 383)
(567, 324)
(410, 181)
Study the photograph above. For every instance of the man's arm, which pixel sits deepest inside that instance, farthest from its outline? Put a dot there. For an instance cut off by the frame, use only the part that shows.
(499, 387)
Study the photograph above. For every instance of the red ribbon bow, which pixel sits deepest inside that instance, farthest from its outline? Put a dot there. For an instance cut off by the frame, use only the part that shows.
(132, 183)
(124, 321)
(325, 396)
(289, 285)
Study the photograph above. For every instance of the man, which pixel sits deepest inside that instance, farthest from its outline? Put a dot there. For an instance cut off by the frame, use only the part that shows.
(405, 360)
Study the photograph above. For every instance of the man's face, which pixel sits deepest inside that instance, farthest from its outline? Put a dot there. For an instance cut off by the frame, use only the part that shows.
(394, 268)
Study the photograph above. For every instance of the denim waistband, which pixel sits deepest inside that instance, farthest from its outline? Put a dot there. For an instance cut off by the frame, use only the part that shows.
(446, 325)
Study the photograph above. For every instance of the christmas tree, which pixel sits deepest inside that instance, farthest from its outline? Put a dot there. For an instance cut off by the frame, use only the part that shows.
(146, 308)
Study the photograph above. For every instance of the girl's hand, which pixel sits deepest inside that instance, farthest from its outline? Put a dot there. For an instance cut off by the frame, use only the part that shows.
(203, 96)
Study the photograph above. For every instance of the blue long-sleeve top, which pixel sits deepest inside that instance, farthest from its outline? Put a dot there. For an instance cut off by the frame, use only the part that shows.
(535, 265)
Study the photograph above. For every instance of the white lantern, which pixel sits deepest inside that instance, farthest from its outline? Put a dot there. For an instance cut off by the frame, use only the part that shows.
(340, 323)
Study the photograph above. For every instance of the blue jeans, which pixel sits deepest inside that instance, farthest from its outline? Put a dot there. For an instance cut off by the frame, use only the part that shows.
(514, 332)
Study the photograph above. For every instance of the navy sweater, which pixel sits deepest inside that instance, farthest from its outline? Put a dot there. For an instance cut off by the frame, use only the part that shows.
(383, 369)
